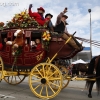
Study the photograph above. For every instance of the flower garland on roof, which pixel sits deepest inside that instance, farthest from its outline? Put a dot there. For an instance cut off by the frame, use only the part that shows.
(23, 20)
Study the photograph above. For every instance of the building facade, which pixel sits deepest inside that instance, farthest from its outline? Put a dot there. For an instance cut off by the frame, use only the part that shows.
(84, 55)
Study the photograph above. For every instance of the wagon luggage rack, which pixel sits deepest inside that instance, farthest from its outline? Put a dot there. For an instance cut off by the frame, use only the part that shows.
(50, 60)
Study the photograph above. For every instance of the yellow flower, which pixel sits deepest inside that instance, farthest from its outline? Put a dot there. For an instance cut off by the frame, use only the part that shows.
(44, 34)
(22, 13)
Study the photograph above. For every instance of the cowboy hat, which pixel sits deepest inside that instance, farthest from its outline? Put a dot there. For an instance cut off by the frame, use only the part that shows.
(41, 8)
(65, 16)
(48, 14)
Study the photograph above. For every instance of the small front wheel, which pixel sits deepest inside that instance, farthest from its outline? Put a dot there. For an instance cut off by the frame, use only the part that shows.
(42, 78)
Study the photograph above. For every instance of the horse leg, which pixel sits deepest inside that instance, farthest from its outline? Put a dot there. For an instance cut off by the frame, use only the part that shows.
(90, 89)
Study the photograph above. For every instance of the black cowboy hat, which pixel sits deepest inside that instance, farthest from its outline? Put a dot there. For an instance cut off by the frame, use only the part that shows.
(48, 14)
(65, 16)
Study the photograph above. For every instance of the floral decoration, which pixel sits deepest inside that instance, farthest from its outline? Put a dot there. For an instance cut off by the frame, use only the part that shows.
(23, 20)
(46, 37)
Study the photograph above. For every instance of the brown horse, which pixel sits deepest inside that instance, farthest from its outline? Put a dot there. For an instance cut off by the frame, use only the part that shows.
(80, 67)
(93, 72)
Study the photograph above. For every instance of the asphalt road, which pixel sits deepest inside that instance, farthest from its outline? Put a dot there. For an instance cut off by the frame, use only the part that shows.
(74, 91)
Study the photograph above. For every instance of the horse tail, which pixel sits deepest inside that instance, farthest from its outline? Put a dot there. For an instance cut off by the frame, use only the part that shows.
(98, 75)
(90, 72)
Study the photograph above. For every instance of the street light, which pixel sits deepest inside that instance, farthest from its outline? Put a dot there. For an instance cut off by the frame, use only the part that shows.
(89, 10)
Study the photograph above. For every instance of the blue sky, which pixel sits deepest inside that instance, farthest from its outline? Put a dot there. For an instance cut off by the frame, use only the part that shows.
(78, 16)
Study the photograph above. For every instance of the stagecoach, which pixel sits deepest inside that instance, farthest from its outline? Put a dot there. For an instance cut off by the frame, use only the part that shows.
(40, 65)
(46, 77)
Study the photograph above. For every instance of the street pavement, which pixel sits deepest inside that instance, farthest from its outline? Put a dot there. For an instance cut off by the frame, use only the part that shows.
(74, 91)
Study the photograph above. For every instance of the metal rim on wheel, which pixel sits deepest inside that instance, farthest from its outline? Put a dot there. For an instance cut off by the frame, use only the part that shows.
(42, 79)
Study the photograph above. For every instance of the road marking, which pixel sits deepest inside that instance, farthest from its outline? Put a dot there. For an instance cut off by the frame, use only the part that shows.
(4, 96)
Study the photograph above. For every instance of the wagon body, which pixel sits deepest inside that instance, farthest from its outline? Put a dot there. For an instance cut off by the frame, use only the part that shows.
(29, 58)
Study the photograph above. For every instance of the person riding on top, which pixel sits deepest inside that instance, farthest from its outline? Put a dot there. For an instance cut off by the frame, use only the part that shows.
(38, 16)
(49, 25)
(60, 27)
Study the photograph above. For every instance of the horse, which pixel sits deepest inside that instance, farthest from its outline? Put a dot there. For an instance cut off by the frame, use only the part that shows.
(93, 72)
(79, 68)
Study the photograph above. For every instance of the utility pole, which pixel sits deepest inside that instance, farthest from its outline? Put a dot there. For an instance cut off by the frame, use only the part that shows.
(89, 10)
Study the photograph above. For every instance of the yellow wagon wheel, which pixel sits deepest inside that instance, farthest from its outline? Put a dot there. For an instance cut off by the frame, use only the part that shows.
(64, 72)
(14, 80)
(65, 81)
(1, 69)
(42, 79)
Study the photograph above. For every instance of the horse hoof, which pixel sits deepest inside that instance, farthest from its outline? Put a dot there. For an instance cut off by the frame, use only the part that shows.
(89, 95)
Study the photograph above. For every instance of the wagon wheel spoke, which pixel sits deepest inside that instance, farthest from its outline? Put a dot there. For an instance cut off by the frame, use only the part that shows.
(14, 80)
(39, 72)
(43, 70)
(37, 86)
(41, 89)
(19, 78)
(54, 79)
(47, 91)
(52, 74)
(35, 81)
(51, 88)
(48, 70)
(54, 84)
(37, 76)
(11, 79)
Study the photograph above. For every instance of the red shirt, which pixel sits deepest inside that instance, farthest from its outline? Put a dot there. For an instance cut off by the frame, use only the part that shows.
(1, 46)
(39, 46)
(37, 17)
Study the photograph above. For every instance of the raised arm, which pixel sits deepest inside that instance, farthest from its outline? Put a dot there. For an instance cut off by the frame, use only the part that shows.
(30, 11)
(60, 15)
